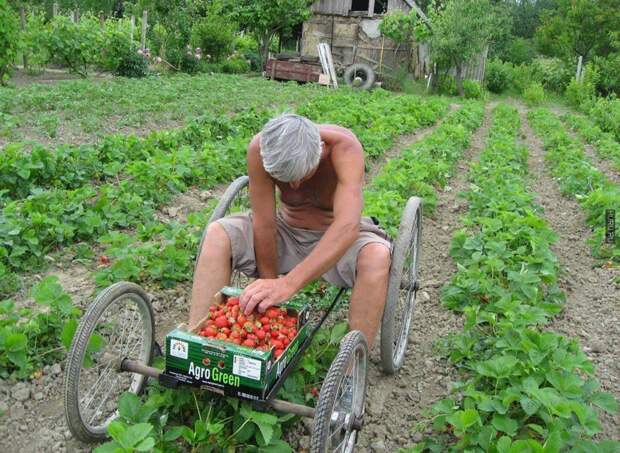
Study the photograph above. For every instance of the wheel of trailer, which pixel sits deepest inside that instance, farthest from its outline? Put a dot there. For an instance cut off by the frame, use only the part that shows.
(118, 324)
(236, 198)
(360, 75)
(340, 408)
(402, 288)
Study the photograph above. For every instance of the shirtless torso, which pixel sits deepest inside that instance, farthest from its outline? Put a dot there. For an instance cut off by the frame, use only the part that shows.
(310, 204)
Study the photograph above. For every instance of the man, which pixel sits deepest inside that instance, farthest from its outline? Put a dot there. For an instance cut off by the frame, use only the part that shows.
(317, 230)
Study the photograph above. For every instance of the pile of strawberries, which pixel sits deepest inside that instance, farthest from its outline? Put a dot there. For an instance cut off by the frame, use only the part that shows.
(273, 329)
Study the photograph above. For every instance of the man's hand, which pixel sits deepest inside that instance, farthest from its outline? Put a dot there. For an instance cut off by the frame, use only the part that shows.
(263, 293)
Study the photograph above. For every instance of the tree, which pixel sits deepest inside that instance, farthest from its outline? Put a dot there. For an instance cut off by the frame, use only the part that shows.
(460, 30)
(579, 28)
(267, 18)
(9, 40)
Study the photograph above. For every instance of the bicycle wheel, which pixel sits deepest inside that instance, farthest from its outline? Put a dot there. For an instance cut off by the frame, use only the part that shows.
(402, 288)
(118, 324)
(340, 408)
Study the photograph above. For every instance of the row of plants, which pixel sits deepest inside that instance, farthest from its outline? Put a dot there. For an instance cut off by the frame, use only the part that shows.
(578, 178)
(523, 387)
(26, 169)
(164, 253)
(47, 219)
(77, 110)
(423, 166)
(604, 143)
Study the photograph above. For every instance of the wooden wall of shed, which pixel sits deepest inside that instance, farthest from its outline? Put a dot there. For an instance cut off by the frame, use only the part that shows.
(351, 44)
(341, 7)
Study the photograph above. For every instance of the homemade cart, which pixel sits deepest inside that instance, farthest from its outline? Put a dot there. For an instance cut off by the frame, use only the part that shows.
(114, 346)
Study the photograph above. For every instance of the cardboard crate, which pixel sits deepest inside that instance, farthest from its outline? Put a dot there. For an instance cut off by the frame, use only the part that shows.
(228, 368)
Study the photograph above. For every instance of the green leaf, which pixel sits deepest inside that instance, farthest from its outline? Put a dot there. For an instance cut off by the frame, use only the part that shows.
(128, 406)
(605, 401)
(173, 433)
(116, 430)
(68, 331)
(337, 332)
(503, 444)
(109, 447)
(16, 342)
(530, 407)
(505, 424)
(135, 434)
(146, 444)
(266, 431)
(497, 367)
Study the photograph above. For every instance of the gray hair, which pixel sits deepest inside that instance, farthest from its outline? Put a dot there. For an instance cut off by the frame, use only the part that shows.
(290, 146)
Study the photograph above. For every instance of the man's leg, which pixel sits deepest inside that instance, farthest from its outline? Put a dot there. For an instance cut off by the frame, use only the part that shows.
(369, 290)
(212, 272)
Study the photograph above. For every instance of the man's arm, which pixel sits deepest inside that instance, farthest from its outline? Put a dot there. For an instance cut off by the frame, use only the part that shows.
(348, 161)
(262, 200)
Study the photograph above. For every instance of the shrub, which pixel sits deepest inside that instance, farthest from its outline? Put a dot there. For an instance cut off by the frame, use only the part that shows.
(609, 74)
(247, 46)
(235, 64)
(522, 76)
(581, 94)
(519, 51)
(75, 45)
(34, 41)
(447, 85)
(498, 76)
(606, 113)
(534, 94)
(472, 89)
(214, 35)
(132, 64)
(553, 73)
(9, 40)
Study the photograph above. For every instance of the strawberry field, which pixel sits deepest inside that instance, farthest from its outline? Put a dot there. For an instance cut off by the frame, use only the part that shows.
(516, 331)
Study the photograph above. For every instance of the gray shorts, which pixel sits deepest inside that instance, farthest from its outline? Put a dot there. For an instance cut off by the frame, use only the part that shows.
(294, 244)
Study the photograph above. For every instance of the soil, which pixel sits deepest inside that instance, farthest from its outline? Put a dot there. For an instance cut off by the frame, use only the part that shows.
(592, 311)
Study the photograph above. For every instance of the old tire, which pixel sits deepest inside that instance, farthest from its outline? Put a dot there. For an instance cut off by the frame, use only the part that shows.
(336, 419)
(402, 288)
(119, 323)
(364, 72)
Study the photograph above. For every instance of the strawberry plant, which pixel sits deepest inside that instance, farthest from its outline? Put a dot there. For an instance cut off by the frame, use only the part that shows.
(604, 143)
(33, 337)
(198, 420)
(524, 388)
(578, 178)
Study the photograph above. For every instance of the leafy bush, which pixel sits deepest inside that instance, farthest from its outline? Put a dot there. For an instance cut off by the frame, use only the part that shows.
(609, 75)
(606, 113)
(214, 35)
(553, 73)
(534, 94)
(447, 85)
(519, 51)
(75, 44)
(236, 64)
(498, 76)
(9, 39)
(472, 89)
(34, 41)
(132, 64)
(31, 338)
(581, 95)
(247, 46)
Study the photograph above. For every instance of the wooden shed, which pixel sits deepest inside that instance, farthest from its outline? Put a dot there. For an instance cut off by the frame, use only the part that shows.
(351, 28)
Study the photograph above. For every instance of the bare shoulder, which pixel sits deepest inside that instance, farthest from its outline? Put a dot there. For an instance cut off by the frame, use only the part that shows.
(337, 132)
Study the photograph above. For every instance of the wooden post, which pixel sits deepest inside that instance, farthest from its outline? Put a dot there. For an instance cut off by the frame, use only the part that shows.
(55, 9)
(144, 21)
(133, 25)
(371, 8)
(72, 16)
(101, 21)
(381, 55)
(579, 63)
(22, 18)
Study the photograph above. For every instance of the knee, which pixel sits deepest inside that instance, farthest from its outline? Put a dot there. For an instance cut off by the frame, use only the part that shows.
(374, 261)
(216, 238)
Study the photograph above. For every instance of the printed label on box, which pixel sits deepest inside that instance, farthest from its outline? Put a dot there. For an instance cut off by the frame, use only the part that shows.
(247, 367)
(179, 348)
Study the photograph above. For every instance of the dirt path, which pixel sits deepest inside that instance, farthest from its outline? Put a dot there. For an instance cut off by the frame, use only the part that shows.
(592, 311)
(394, 403)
